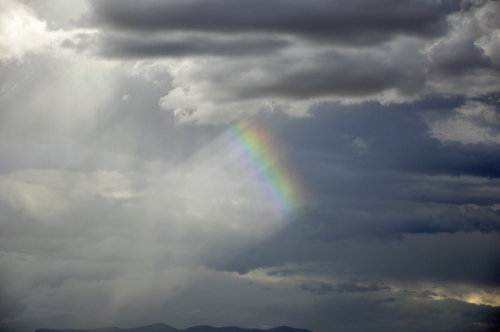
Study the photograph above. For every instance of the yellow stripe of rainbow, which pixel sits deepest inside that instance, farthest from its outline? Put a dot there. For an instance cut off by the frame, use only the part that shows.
(255, 148)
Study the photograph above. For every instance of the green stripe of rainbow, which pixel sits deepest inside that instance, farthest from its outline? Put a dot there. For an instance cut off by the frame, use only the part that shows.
(255, 148)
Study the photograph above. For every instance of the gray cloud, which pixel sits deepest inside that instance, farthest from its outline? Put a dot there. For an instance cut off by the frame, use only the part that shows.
(336, 74)
(146, 47)
(350, 287)
(254, 54)
(421, 315)
(459, 55)
(412, 258)
(348, 21)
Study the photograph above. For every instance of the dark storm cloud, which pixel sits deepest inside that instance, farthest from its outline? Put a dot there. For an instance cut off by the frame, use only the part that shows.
(404, 218)
(406, 181)
(406, 184)
(399, 140)
(373, 312)
(365, 313)
(359, 22)
(300, 41)
(150, 47)
(251, 24)
(471, 258)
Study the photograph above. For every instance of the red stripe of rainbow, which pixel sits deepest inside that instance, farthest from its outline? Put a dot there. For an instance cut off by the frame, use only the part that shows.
(254, 147)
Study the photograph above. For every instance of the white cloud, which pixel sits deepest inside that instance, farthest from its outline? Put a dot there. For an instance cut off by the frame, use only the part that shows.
(488, 30)
(475, 122)
(360, 145)
(21, 31)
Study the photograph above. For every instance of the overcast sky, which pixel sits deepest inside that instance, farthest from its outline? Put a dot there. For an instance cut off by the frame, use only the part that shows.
(145, 149)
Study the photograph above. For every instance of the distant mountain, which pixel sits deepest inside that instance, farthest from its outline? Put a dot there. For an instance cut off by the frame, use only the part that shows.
(167, 328)
(149, 328)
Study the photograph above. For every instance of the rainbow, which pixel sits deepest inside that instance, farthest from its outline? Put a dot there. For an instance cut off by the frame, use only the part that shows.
(256, 149)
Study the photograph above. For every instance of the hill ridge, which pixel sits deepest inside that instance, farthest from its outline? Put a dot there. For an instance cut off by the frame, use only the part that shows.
(161, 327)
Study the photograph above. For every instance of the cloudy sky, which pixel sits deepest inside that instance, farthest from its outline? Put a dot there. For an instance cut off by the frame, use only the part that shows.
(324, 164)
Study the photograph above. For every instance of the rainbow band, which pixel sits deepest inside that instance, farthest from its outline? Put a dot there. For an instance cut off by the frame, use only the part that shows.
(254, 148)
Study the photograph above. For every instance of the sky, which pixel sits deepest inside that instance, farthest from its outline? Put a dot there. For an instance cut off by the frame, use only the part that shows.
(331, 165)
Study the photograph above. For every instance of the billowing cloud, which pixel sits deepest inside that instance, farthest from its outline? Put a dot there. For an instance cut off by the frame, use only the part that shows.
(21, 31)
(474, 122)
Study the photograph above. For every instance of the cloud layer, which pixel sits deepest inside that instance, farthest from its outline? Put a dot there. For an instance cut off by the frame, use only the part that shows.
(297, 54)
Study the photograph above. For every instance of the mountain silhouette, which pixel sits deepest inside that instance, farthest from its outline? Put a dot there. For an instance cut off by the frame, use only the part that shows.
(167, 328)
